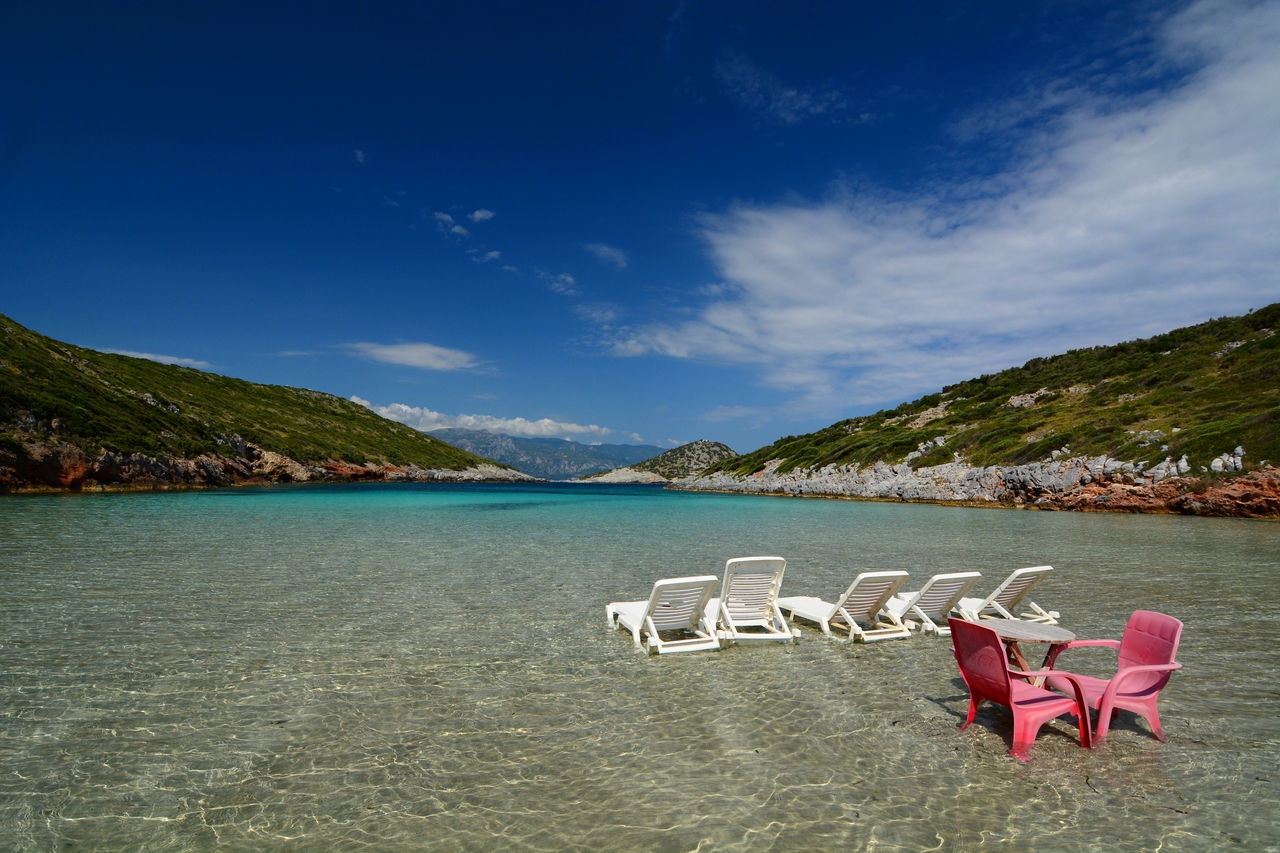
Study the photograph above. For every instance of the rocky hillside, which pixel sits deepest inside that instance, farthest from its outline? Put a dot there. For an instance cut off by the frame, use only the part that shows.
(1187, 421)
(74, 418)
(547, 458)
(687, 460)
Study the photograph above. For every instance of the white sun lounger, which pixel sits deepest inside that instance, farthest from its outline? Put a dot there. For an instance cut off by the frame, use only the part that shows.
(675, 605)
(862, 603)
(930, 605)
(747, 608)
(1000, 604)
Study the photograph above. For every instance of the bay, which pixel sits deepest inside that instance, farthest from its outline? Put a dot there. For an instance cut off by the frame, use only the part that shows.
(408, 667)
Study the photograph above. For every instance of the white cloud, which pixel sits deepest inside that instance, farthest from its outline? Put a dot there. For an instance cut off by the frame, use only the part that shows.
(608, 254)
(764, 93)
(483, 257)
(424, 419)
(459, 231)
(163, 359)
(481, 215)
(424, 355)
(359, 155)
(562, 283)
(443, 218)
(1127, 218)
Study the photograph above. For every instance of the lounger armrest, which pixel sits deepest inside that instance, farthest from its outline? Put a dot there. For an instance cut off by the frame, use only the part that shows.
(1082, 705)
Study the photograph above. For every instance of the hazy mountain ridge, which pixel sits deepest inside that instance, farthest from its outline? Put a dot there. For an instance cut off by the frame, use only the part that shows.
(1150, 425)
(75, 418)
(547, 458)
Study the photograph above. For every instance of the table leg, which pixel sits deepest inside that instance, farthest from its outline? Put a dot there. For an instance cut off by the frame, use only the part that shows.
(1051, 656)
(1016, 654)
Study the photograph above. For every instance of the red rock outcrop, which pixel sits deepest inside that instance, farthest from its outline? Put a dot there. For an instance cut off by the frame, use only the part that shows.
(1252, 495)
(49, 464)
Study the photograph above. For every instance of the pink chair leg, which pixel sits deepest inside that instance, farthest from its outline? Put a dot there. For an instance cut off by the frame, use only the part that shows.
(1024, 735)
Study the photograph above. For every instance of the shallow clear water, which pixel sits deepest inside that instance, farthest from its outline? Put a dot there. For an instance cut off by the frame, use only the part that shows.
(407, 667)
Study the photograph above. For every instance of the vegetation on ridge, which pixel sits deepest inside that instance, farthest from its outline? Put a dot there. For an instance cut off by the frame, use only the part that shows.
(133, 405)
(1199, 391)
(687, 460)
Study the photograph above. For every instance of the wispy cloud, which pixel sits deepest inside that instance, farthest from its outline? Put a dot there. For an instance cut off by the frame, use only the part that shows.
(734, 413)
(358, 155)
(1129, 215)
(423, 355)
(163, 359)
(764, 93)
(446, 224)
(599, 314)
(677, 26)
(481, 215)
(608, 254)
(425, 419)
(562, 283)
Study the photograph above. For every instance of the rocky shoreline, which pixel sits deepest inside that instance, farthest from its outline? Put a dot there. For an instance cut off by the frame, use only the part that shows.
(1091, 484)
(44, 466)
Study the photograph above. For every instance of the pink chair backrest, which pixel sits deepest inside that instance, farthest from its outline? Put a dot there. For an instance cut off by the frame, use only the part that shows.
(983, 663)
(1149, 638)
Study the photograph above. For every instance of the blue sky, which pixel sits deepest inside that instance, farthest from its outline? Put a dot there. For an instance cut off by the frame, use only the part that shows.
(634, 221)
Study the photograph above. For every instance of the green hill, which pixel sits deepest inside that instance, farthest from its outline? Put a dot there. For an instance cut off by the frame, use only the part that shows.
(687, 460)
(1197, 392)
(57, 394)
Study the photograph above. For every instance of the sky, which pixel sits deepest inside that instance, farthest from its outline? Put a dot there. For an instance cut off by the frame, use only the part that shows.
(634, 222)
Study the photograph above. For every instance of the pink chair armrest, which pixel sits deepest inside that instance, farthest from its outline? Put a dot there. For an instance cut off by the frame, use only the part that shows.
(1074, 644)
(1127, 671)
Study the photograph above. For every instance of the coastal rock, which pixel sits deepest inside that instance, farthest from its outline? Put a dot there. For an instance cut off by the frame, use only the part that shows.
(628, 475)
(1078, 483)
(47, 464)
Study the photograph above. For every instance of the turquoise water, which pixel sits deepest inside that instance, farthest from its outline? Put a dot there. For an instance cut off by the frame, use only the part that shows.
(408, 667)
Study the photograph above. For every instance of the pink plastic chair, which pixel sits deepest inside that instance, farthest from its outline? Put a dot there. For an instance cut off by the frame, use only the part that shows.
(1146, 662)
(984, 666)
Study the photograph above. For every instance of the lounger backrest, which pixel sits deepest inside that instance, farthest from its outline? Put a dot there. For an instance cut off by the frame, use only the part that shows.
(942, 592)
(677, 603)
(868, 593)
(751, 586)
(1017, 585)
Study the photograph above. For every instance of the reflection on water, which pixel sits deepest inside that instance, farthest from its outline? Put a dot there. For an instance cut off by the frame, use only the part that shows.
(402, 668)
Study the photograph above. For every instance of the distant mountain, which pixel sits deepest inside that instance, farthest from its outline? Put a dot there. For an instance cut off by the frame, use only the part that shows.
(687, 460)
(74, 418)
(1187, 421)
(548, 458)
